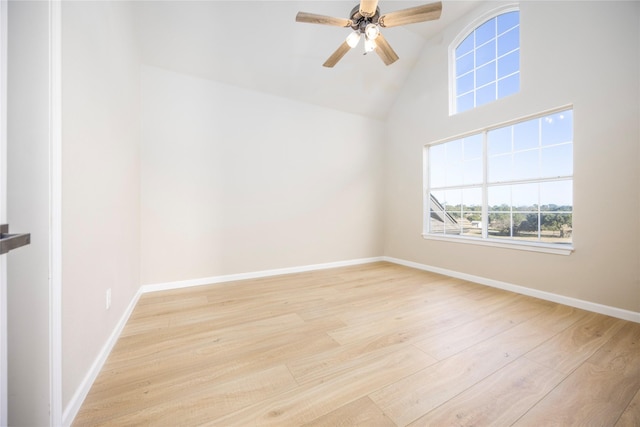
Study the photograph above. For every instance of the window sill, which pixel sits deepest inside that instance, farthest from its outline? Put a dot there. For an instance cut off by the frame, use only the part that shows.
(557, 249)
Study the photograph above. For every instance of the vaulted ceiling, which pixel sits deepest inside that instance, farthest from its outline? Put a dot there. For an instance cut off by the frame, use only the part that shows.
(258, 45)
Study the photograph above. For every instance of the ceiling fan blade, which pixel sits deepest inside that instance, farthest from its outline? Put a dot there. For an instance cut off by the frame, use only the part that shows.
(312, 18)
(337, 55)
(427, 12)
(385, 51)
(368, 8)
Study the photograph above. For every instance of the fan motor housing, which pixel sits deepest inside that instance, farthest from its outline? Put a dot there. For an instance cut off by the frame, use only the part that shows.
(359, 22)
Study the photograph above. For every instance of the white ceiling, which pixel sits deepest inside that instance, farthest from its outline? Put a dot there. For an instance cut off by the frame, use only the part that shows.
(258, 45)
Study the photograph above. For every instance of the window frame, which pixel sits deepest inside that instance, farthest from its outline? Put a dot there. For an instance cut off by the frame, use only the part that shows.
(476, 23)
(552, 248)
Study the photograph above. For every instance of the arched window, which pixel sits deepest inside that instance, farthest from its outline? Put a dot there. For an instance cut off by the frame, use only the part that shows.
(486, 62)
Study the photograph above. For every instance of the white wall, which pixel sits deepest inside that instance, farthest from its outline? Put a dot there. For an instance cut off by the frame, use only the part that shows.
(28, 201)
(100, 180)
(234, 181)
(580, 53)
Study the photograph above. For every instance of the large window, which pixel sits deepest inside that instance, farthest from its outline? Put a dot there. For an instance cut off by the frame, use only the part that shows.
(486, 63)
(511, 183)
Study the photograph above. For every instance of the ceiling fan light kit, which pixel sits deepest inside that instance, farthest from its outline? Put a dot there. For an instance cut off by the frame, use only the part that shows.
(369, 45)
(365, 19)
(371, 31)
(353, 39)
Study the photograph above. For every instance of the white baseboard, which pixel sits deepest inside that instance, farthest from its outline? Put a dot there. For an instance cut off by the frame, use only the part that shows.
(75, 403)
(253, 275)
(548, 296)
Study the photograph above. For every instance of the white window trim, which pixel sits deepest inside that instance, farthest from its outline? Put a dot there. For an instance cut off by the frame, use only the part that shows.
(521, 246)
(505, 8)
(550, 248)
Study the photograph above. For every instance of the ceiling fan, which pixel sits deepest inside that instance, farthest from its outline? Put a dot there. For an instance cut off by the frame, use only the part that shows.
(365, 19)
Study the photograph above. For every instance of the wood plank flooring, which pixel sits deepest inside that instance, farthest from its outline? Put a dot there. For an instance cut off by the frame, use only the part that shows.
(371, 345)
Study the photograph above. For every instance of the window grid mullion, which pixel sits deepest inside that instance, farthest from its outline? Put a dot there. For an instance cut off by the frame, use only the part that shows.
(539, 216)
(495, 56)
(485, 188)
(475, 75)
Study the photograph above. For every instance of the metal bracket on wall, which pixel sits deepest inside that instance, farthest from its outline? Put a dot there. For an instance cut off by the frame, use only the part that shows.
(9, 242)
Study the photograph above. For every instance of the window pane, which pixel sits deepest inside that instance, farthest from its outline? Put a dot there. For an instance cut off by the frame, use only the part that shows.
(557, 193)
(454, 151)
(557, 161)
(454, 174)
(464, 84)
(526, 135)
(499, 225)
(509, 86)
(509, 41)
(557, 128)
(438, 197)
(486, 32)
(486, 74)
(525, 165)
(453, 202)
(465, 46)
(465, 102)
(464, 64)
(437, 154)
(472, 212)
(525, 226)
(472, 170)
(436, 213)
(528, 226)
(499, 168)
(499, 141)
(486, 94)
(437, 176)
(499, 198)
(509, 64)
(473, 147)
(508, 20)
(556, 227)
(453, 211)
(524, 197)
(486, 53)
(437, 167)
(472, 199)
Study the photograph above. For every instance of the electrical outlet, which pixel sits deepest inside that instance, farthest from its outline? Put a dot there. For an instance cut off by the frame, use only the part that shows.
(108, 298)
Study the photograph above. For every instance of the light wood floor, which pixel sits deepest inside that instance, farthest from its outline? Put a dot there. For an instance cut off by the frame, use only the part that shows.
(371, 345)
